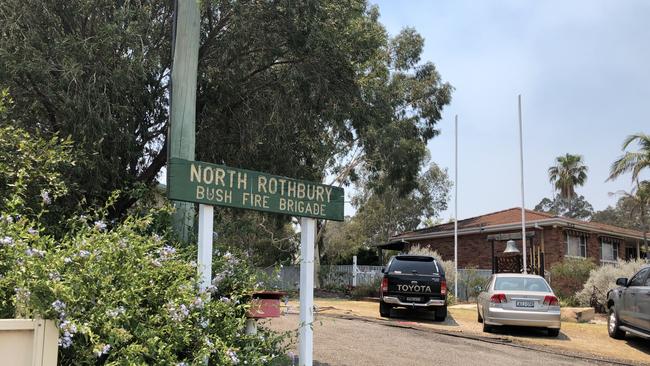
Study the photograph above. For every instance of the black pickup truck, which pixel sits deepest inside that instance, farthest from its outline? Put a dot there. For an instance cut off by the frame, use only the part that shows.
(413, 281)
(628, 306)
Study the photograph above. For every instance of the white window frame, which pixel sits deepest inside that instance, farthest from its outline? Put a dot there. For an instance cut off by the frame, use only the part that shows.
(582, 244)
(614, 248)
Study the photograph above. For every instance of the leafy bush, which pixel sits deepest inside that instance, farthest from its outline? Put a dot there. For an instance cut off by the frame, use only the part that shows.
(603, 279)
(472, 281)
(449, 267)
(127, 296)
(30, 170)
(568, 278)
(367, 290)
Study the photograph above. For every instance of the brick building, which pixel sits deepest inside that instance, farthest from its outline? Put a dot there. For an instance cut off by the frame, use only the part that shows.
(550, 239)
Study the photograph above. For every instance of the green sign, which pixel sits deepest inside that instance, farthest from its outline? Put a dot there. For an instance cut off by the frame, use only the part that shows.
(219, 185)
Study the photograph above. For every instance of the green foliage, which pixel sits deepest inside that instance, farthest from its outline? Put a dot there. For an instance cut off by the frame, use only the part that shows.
(265, 239)
(631, 211)
(575, 208)
(569, 276)
(632, 161)
(126, 296)
(30, 170)
(569, 172)
(383, 211)
(299, 86)
(449, 266)
(472, 281)
(367, 290)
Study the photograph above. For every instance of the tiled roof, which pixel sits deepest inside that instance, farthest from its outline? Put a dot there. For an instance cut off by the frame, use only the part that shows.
(513, 216)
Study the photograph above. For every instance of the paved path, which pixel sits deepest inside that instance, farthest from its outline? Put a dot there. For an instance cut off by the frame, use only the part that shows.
(339, 341)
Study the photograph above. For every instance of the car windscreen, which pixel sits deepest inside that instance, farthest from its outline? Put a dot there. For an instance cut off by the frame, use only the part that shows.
(521, 284)
(424, 266)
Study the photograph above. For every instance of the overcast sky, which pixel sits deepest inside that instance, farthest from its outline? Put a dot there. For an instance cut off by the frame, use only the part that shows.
(582, 68)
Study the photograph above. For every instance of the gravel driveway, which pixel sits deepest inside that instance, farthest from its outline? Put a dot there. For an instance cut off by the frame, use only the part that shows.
(340, 341)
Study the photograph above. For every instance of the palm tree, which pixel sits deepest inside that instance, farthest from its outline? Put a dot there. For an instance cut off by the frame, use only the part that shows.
(569, 172)
(633, 161)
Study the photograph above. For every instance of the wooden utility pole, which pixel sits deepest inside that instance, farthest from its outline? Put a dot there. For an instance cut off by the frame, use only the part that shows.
(183, 100)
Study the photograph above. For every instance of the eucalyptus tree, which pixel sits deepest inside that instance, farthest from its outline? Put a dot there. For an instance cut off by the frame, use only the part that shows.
(638, 203)
(307, 89)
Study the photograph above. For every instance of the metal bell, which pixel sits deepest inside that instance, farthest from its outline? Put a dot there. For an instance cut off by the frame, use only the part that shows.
(511, 247)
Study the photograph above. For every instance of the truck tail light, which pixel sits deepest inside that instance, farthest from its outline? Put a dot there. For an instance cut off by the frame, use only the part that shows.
(498, 299)
(443, 287)
(551, 300)
(384, 284)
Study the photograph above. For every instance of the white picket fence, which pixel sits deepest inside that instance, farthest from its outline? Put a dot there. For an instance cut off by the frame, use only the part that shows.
(341, 276)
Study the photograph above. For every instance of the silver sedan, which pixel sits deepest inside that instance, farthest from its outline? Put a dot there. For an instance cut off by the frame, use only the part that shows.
(521, 300)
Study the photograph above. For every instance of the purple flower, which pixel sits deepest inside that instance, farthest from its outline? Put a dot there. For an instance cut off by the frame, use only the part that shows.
(54, 276)
(167, 252)
(7, 240)
(58, 306)
(233, 356)
(116, 312)
(34, 252)
(22, 294)
(178, 313)
(198, 303)
(69, 331)
(32, 231)
(84, 253)
(45, 195)
(100, 225)
(104, 350)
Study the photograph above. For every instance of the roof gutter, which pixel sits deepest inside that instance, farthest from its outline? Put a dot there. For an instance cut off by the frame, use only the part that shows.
(514, 226)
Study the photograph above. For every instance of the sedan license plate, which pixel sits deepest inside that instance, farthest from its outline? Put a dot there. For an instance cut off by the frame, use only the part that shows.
(525, 304)
(413, 299)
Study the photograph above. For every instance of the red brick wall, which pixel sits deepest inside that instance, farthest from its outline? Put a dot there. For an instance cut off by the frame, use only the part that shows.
(474, 250)
(554, 245)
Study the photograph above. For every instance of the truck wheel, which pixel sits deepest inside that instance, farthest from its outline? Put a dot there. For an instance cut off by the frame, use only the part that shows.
(441, 313)
(384, 309)
(613, 325)
(552, 332)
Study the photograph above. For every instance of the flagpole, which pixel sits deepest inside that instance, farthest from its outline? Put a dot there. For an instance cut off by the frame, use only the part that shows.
(456, 211)
(523, 209)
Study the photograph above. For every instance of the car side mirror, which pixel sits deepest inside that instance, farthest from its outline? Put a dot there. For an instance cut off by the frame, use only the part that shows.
(621, 281)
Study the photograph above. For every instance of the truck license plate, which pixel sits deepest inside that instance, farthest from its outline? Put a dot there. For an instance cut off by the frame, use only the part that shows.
(413, 299)
(525, 304)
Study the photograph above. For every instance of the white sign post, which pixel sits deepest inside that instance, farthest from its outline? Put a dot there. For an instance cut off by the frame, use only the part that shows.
(354, 271)
(204, 260)
(306, 338)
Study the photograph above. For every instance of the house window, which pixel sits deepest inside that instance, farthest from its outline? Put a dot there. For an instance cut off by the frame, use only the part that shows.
(576, 246)
(608, 249)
